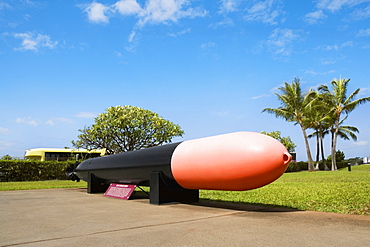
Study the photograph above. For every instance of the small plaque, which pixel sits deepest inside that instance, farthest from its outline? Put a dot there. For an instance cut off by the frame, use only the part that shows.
(122, 191)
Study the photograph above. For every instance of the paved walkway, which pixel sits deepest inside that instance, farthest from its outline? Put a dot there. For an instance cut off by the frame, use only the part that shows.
(71, 217)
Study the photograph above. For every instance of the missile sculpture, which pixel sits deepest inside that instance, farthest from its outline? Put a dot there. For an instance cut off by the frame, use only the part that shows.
(175, 172)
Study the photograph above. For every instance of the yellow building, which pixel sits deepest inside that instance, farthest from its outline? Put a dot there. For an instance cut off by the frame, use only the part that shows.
(62, 154)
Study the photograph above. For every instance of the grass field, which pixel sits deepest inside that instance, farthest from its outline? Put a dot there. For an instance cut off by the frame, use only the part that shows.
(338, 192)
(36, 185)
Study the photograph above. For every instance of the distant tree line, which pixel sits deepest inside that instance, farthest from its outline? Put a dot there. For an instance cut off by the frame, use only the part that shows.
(323, 110)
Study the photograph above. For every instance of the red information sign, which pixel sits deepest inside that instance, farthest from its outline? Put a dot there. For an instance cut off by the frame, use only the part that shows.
(122, 191)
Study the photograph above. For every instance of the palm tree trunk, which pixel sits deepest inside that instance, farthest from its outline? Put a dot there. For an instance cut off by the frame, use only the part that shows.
(311, 167)
(317, 165)
(333, 155)
(333, 150)
(326, 168)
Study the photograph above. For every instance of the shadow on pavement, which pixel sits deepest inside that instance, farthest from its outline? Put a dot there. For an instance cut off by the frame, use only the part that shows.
(224, 204)
(244, 206)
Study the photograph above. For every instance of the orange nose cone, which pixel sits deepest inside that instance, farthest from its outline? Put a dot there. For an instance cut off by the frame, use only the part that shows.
(235, 161)
(287, 158)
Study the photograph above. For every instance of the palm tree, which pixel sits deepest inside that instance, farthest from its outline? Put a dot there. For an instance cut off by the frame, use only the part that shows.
(320, 132)
(347, 132)
(339, 104)
(317, 118)
(294, 106)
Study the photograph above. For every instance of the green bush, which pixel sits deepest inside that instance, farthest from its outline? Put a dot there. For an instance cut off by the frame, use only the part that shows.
(297, 166)
(342, 164)
(303, 166)
(32, 170)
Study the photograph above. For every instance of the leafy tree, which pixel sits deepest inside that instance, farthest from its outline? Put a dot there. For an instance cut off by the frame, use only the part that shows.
(127, 128)
(286, 141)
(294, 105)
(339, 156)
(339, 105)
(7, 157)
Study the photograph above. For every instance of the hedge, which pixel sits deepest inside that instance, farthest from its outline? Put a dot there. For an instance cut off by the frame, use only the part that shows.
(303, 166)
(297, 166)
(33, 170)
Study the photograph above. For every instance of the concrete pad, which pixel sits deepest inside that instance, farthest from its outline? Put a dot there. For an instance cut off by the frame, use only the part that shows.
(71, 217)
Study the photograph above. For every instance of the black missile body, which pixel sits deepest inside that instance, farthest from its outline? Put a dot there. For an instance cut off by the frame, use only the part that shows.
(175, 172)
(131, 167)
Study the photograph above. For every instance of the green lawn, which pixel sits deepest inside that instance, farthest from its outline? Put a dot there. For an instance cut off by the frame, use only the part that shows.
(339, 192)
(36, 185)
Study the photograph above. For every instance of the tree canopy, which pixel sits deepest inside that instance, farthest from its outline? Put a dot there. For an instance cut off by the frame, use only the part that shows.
(286, 141)
(322, 110)
(339, 105)
(127, 128)
(294, 105)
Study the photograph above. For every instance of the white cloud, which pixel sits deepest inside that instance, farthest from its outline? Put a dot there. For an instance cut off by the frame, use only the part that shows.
(336, 47)
(34, 41)
(150, 12)
(361, 143)
(128, 7)
(50, 122)
(133, 41)
(335, 5)
(27, 120)
(164, 11)
(4, 131)
(276, 88)
(265, 11)
(154, 11)
(54, 121)
(5, 144)
(86, 115)
(117, 53)
(261, 96)
(227, 22)
(361, 14)
(280, 40)
(96, 12)
(315, 17)
(364, 91)
(63, 120)
(312, 72)
(5, 6)
(132, 36)
(208, 45)
(326, 62)
(229, 6)
(180, 33)
(363, 33)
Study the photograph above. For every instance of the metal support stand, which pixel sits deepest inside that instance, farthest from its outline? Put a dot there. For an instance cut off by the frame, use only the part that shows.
(164, 190)
(94, 185)
(142, 190)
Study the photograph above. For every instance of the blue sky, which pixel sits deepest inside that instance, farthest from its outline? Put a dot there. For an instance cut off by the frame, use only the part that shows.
(209, 66)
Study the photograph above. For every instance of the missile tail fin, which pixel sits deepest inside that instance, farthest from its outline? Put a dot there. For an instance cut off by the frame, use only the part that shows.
(70, 172)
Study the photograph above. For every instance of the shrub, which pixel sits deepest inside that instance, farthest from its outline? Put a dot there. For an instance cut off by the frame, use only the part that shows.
(32, 170)
(297, 166)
